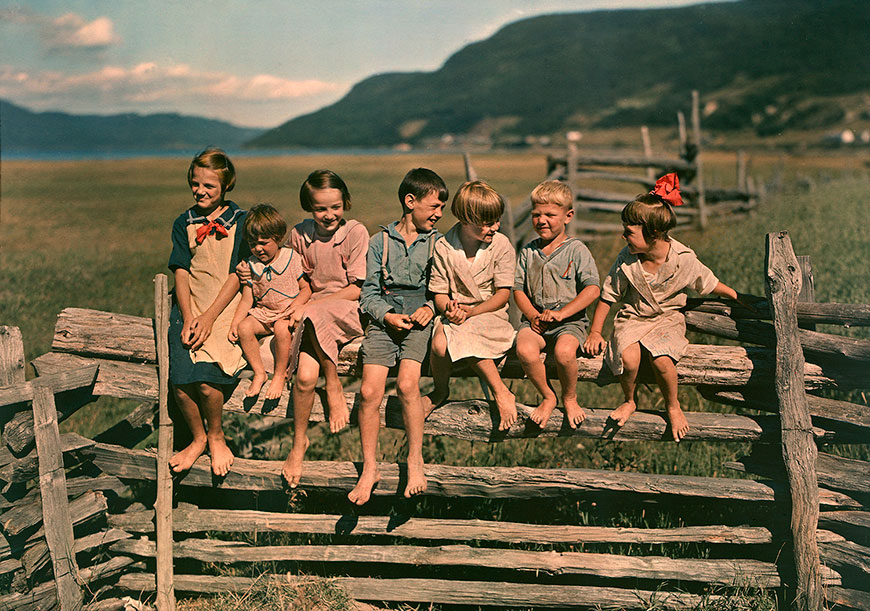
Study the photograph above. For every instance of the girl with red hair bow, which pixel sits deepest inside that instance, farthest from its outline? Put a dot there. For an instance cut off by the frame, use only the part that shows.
(649, 280)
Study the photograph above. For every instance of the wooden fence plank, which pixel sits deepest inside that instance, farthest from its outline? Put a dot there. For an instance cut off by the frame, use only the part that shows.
(63, 380)
(662, 163)
(701, 201)
(444, 480)
(37, 556)
(843, 597)
(190, 519)
(854, 525)
(849, 314)
(133, 428)
(27, 467)
(55, 508)
(798, 447)
(18, 432)
(11, 357)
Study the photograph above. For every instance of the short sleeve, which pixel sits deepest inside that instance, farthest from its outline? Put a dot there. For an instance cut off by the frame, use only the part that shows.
(504, 264)
(614, 283)
(587, 271)
(356, 245)
(438, 277)
(179, 258)
(297, 243)
(242, 249)
(520, 274)
(705, 280)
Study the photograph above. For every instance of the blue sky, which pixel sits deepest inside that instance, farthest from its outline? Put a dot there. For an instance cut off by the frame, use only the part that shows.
(254, 63)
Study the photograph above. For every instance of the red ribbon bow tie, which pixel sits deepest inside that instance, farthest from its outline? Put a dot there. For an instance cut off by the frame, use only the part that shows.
(213, 227)
(668, 188)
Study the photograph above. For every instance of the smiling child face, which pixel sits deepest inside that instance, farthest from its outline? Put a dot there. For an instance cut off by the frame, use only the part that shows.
(208, 193)
(327, 209)
(425, 211)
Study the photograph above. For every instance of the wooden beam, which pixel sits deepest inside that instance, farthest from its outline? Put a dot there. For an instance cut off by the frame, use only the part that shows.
(849, 314)
(18, 431)
(798, 447)
(444, 480)
(849, 559)
(11, 357)
(853, 525)
(848, 598)
(16, 395)
(27, 467)
(836, 472)
(35, 558)
(701, 201)
(191, 519)
(55, 508)
(133, 428)
(666, 164)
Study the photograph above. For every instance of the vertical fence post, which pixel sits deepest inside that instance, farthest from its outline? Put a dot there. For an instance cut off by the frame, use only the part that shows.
(55, 506)
(699, 175)
(741, 171)
(808, 286)
(684, 138)
(163, 503)
(11, 356)
(470, 174)
(647, 151)
(798, 446)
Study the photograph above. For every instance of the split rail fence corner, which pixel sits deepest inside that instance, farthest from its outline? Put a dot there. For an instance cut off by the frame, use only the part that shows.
(84, 536)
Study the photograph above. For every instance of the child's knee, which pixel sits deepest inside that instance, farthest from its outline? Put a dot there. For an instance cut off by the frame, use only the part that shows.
(208, 392)
(439, 343)
(527, 350)
(369, 391)
(407, 386)
(306, 379)
(663, 364)
(565, 350)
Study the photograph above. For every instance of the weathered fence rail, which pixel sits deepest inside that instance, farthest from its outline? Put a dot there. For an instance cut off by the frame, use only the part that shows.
(821, 555)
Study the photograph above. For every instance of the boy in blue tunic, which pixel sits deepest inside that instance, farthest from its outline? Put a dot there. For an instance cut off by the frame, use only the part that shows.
(556, 280)
(394, 297)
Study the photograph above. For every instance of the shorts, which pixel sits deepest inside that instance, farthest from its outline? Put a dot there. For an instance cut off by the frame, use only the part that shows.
(386, 347)
(575, 328)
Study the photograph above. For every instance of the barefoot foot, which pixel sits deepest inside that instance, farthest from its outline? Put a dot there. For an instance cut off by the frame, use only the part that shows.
(541, 414)
(416, 479)
(507, 409)
(339, 414)
(256, 384)
(622, 413)
(678, 422)
(183, 460)
(292, 469)
(434, 400)
(574, 414)
(276, 386)
(363, 490)
(221, 455)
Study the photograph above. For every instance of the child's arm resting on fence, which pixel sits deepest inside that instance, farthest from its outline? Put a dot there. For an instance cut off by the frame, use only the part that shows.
(595, 343)
(242, 310)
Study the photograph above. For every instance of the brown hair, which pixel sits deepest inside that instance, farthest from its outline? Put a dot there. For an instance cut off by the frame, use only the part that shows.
(653, 214)
(264, 221)
(322, 179)
(553, 192)
(420, 182)
(476, 203)
(217, 161)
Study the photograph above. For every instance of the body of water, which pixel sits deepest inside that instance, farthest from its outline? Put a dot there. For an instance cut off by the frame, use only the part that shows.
(86, 155)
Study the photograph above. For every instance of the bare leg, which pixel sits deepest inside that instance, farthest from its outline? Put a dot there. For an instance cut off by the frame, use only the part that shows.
(339, 414)
(249, 329)
(303, 399)
(666, 376)
(408, 389)
(628, 381)
(566, 364)
(212, 406)
(283, 338)
(441, 367)
(374, 380)
(186, 397)
(529, 347)
(504, 398)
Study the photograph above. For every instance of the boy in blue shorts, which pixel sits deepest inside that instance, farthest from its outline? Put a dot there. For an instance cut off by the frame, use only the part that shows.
(556, 280)
(394, 297)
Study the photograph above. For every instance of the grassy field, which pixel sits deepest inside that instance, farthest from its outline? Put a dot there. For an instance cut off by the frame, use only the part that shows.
(93, 234)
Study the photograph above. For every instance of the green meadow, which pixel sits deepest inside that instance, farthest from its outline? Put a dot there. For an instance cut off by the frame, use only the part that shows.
(93, 234)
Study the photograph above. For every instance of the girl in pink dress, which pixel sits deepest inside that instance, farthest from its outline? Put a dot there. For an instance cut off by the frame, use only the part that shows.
(333, 253)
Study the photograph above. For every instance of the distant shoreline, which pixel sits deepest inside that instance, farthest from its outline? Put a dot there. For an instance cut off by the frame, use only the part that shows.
(112, 155)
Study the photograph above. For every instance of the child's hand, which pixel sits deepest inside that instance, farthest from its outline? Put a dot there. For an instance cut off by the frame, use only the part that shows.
(399, 322)
(295, 313)
(233, 334)
(455, 313)
(551, 316)
(200, 331)
(594, 343)
(243, 271)
(539, 325)
(750, 302)
(422, 316)
(187, 333)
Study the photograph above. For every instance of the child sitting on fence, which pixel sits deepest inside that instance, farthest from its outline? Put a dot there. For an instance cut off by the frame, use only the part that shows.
(649, 278)
(394, 298)
(272, 301)
(207, 243)
(333, 253)
(556, 281)
(472, 275)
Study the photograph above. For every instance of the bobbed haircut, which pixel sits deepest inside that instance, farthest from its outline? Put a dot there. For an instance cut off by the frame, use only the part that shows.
(553, 192)
(476, 203)
(322, 179)
(264, 221)
(420, 182)
(217, 161)
(653, 214)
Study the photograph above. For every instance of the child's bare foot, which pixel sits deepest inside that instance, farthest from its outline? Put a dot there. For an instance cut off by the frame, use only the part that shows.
(679, 424)
(292, 469)
(573, 412)
(221, 456)
(276, 386)
(256, 384)
(622, 413)
(507, 409)
(339, 414)
(363, 490)
(416, 478)
(183, 460)
(434, 400)
(541, 414)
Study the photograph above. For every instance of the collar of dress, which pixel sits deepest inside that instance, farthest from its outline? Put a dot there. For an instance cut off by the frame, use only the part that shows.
(308, 230)
(278, 265)
(228, 217)
(633, 270)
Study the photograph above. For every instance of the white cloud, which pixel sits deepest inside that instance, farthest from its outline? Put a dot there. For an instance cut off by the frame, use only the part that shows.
(68, 32)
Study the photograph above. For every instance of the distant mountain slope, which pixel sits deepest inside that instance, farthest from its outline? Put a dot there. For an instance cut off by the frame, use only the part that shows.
(21, 130)
(626, 67)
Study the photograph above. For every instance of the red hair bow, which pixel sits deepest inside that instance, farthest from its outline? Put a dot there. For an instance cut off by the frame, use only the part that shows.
(213, 227)
(668, 188)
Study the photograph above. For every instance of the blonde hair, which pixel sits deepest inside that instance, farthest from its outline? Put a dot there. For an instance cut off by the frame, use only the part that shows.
(264, 221)
(217, 161)
(476, 203)
(653, 214)
(553, 192)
